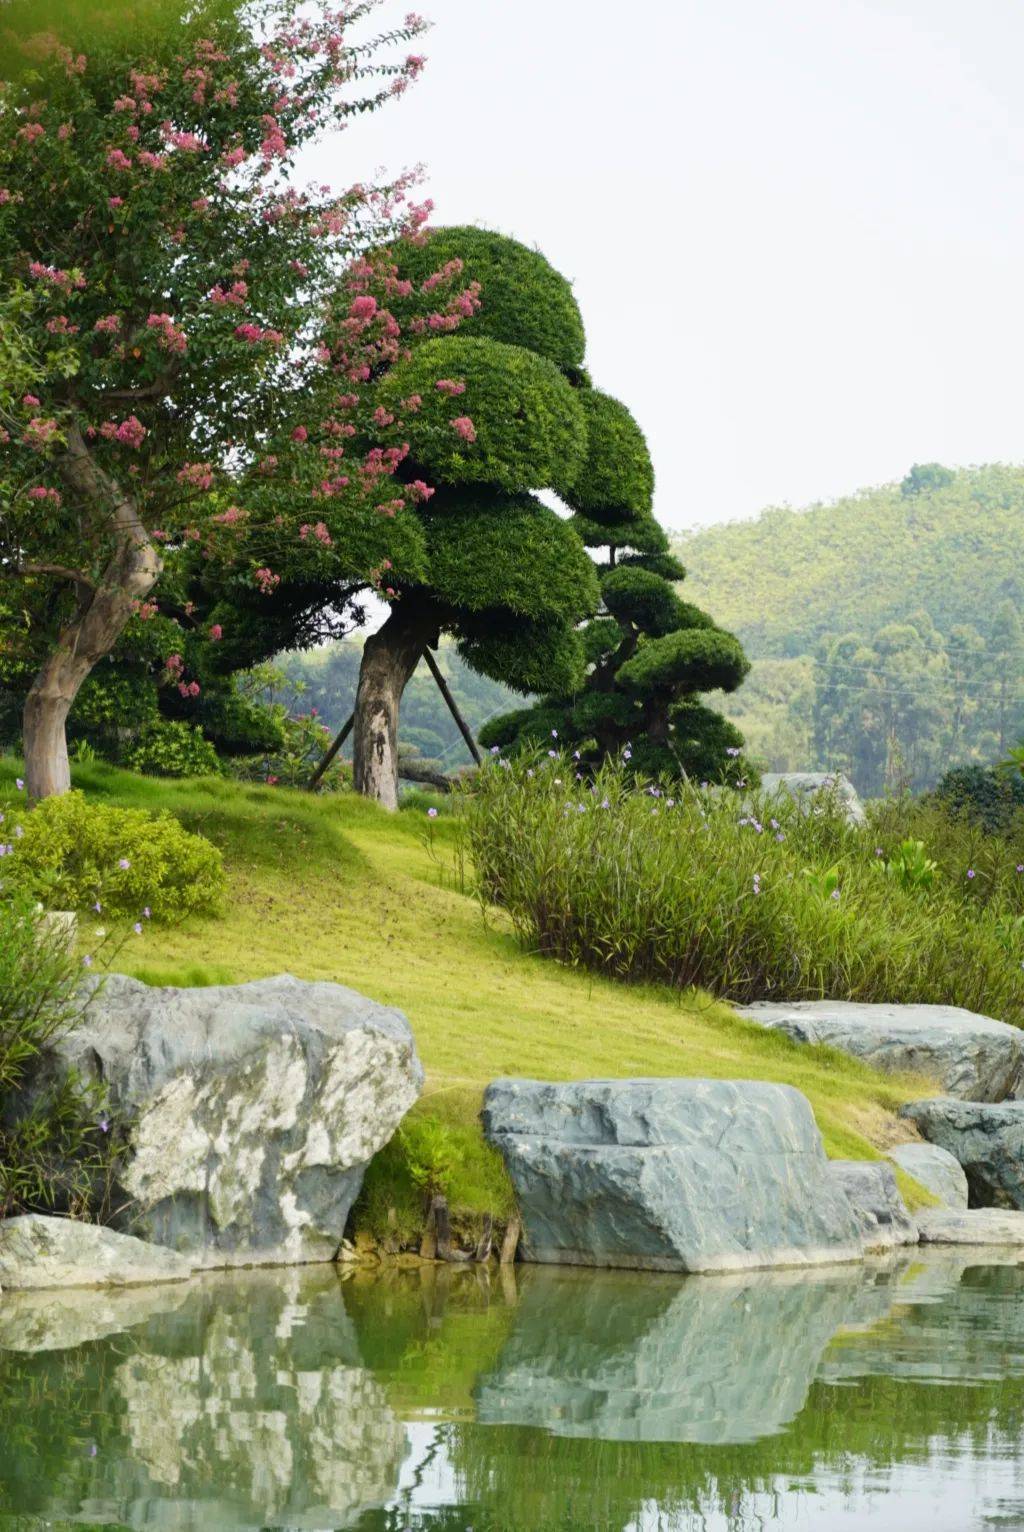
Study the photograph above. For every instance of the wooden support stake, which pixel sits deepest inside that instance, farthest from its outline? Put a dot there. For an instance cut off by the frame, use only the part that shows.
(453, 707)
(442, 1224)
(342, 736)
(428, 1241)
(483, 1249)
(510, 1244)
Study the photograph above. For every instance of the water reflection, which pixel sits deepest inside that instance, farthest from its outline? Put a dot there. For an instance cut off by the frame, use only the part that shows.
(445, 1399)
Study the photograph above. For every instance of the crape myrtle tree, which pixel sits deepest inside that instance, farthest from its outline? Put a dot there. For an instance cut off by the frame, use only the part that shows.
(649, 654)
(175, 291)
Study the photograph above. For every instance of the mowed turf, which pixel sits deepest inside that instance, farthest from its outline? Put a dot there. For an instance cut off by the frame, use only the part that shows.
(334, 888)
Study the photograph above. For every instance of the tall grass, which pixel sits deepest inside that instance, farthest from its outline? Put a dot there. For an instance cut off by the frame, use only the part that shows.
(751, 902)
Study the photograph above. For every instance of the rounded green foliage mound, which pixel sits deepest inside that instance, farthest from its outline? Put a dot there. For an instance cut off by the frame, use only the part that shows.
(644, 535)
(522, 725)
(616, 478)
(71, 853)
(523, 299)
(508, 553)
(600, 637)
(637, 596)
(664, 564)
(693, 659)
(990, 798)
(702, 739)
(602, 711)
(536, 657)
(173, 749)
(522, 424)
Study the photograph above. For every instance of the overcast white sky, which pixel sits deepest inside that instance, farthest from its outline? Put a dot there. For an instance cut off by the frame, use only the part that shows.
(795, 227)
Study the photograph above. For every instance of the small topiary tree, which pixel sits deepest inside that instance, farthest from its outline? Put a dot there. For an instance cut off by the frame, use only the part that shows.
(649, 654)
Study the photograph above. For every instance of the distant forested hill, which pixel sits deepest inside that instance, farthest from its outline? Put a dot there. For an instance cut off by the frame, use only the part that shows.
(885, 627)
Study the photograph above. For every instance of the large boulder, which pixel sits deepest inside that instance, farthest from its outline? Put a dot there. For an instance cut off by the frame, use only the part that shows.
(979, 1226)
(987, 1139)
(974, 1057)
(252, 1110)
(938, 1171)
(810, 788)
(875, 1198)
(670, 1175)
(36, 1251)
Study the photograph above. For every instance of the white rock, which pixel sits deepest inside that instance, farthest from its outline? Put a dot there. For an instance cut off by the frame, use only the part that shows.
(36, 1251)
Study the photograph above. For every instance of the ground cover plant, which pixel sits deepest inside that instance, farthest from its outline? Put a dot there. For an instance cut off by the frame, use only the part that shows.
(749, 900)
(334, 888)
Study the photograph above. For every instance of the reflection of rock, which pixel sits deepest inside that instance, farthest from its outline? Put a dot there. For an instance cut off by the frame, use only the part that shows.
(973, 1057)
(58, 1321)
(255, 1108)
(706, 1359)
(875, 1198)
(987, 1139)
(670, 1175)
(60, 1252)
(246, 1407)
(938, 1171)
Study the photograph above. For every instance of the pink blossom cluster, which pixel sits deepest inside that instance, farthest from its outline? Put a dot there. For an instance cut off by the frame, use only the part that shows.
(465, 428)
(152, 161)
(44, 492)
(196, 476)
(130, 432)
(450, 387)
(266, 580)
(231, 517)
(189, 143)
(319, 531)
(118, 160)
(145, 611)
(255, 335)
(189, 688)
(40, 433)
(274, 145)
(65, 280)
(235, 295)
(169, 336)
(61, 325)
(110, 324)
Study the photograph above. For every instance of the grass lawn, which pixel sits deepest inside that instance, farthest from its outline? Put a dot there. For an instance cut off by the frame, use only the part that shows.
(334, 888)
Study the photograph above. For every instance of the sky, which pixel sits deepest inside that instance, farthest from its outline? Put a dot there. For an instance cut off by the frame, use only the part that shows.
(795, 227)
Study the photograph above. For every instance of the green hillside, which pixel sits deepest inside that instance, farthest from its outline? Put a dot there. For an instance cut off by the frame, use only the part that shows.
(885, 626)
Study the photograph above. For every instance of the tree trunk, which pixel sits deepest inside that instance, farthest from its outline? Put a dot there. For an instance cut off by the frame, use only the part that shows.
(103, 610)
(389, 658)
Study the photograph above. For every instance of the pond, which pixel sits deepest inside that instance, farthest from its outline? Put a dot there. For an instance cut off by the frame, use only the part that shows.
(520, 1400)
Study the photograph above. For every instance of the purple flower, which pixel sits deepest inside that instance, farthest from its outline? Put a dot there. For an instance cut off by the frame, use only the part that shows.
(495, 749)
(137, 928)
(124, 864)
(18, 832)
(732, 750)
(553, 754)
(970, 872)
(98, 907)
(835, 893)
(87, 961)
(627, 754)
(431, 813)
(147, 913)
(879, 851)
(19, 784)
(554, 733)
(104, 1125)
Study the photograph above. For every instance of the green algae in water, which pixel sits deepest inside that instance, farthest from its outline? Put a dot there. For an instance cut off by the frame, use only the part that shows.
(520, 1401)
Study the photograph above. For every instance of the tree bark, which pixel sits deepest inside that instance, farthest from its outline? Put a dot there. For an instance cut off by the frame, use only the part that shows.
(389, 658)
(104, 608)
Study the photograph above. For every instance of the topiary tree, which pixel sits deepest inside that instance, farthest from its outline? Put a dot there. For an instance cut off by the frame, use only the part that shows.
(649, 654)
(175, 326)
(484, 419)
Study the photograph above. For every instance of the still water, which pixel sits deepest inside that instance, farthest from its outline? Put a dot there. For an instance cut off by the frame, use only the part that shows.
(521, 1401)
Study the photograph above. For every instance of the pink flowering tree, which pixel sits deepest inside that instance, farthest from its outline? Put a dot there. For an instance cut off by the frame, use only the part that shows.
(174, 304)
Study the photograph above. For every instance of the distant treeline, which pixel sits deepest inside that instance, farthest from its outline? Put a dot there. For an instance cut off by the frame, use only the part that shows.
(885, 628)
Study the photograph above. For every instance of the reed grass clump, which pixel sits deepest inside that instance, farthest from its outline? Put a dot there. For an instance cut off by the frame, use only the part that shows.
(751, 900)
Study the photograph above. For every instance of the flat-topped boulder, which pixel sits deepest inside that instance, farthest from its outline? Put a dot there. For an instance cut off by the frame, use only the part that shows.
(808, 788)
(987, 1138)
(875, 1198)
(978, 1226)
(37, 1251)
(251, 1110)
(974, 1057)
(670, 1175)
(938, 1171)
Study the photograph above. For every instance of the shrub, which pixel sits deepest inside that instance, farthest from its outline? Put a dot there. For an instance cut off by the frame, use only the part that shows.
(54, 1142)
(68, 853)
(616, 478)
(691, 889)
(990, 797)
(172, 749)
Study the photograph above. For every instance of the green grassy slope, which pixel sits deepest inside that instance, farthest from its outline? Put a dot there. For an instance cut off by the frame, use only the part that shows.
(334, 888)
(785, 579)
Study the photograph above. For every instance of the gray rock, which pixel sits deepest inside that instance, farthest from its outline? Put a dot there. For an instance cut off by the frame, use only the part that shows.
(938, 1171)
(253, 1110)
(979, 1226)
(970, 1056)
(875, 1198)
(672, 1175)
(59, 1252)
(987, 1139)
(809, 788)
